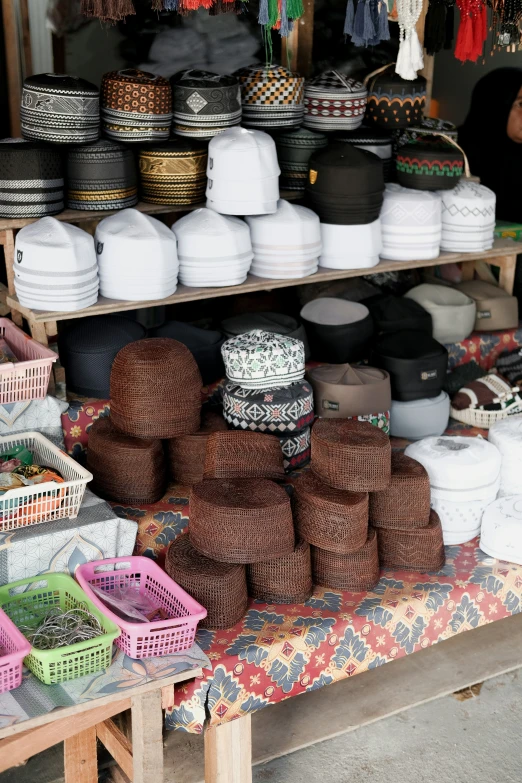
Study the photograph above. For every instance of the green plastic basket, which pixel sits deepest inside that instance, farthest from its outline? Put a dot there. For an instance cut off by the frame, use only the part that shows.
(21, 600)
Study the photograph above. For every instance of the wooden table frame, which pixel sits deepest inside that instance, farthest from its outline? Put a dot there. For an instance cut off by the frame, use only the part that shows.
(80, 726)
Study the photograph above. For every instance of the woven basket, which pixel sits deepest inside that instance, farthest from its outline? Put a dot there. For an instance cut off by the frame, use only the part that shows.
(220, 587)
(286, 580)
(241, 520)
(243, 455)
(350, 454)
(483, 419)
(413, 550)
(331, 519)
(187, 453)
(156, 389)
(125, 469)
(405, 504)
(354, 572)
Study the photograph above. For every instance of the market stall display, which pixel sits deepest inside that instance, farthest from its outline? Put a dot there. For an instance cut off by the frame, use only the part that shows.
(31, 179)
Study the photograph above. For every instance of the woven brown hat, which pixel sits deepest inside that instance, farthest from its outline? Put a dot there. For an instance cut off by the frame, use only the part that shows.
(220, 587)
(413, 550)
(332, 519)
(351, 454)
(354, 572)
(286, 580)
(155, 389)
(237, 454)
(187, 453)
(125, 469)
(241, 520)
(405, 504)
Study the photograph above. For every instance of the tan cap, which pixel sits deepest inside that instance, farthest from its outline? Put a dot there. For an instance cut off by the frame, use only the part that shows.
(341, 391)
(496, 309)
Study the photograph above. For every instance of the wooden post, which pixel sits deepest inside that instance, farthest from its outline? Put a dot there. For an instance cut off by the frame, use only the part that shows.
(117, 744)
(508, 267)
(147, 738)
(81, 764)
(228, 752)
(296, 50)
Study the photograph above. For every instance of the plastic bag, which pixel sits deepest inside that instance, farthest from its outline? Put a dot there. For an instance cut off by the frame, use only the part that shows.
(130, 605)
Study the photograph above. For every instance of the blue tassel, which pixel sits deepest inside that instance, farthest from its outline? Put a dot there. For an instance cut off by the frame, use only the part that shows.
(348, 22)
(263, 18)
(283, 30)
(384, 27)
(358, 37)
(170, 5)
(369, 29)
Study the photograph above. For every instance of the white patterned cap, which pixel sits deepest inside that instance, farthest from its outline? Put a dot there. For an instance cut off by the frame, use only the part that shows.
(263, 360)
(501, 530)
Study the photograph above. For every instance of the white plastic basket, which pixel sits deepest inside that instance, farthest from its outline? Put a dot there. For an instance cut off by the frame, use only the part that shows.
(483, 419)
(43, 502)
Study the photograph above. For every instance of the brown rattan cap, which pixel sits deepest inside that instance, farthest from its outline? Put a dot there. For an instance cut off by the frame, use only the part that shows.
(220, 587)
(332, 519)
(350, 454)
(156, 389)
(413, 550)
(241, 520)
(243, 455)
(125, 469)
(406, 502)
(286, 580)
(354, 572)
(187, 453)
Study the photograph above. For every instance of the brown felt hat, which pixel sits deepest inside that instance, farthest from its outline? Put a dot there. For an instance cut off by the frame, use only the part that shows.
(342, 390)
(355, 572)
(405, 503)
(285, 580)
(496, 309)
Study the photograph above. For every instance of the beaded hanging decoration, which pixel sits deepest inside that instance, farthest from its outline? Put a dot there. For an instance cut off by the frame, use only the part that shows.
(409, 58)
(507, 24)
(473, 30)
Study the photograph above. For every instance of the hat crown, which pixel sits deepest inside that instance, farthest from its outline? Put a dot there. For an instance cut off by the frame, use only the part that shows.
(336, 81)
(50, 232)
(208, 222)
(286, 213)
(469, 191)
(134, 225)
(239, 140)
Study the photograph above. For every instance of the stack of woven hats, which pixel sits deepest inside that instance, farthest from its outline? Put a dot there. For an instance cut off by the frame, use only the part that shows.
(287, 243)
(411, 224)
(31, 179)
(266, 392)
(55, 267)
(205, 104)
(101, 176)
(294, 148)
(137, 257)
(272, 97)
(60, 109)
(174, 172)
(468, 218)
(334, 102)
(136, 106)
(213, 249)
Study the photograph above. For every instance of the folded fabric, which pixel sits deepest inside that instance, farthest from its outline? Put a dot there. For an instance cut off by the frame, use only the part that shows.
(419, 419)
(453, 313)
(342, 391)
(339, 331)
(496, 309)
(43, 416)
(509, 364)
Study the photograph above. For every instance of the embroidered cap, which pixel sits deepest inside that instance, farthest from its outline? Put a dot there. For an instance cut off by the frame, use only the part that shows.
(31, 179)
(174, 172)
(205, 103)
(294, 148)
(136, 106)
(263, 360)
(394, 102)
(468, 218)
(334, 101)
(280, 410)
(272, 96)
(101, 176)
(411, 224)
(60, 108)
(429, 164)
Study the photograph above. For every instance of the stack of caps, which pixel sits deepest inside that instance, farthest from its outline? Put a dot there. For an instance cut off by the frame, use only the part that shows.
(266, 391)
(468, 218)
(187, 452)
(203, 344)
(278, 323)
(496, 309)
(416, 363)
(464, 476)
(101, 176)
(395, 313)
(425, 127)
(345, 185)
(285, 580)
(174, 172)
(452, 312)
(351, 247)
(429, 164)
(486, 401)
(60, 108)
(411, 224)
(213, 249)
(287, 243)
(501, 531)
(272, 97)
(344, 392)
(242, 455)
(205, 104)
(137, 257)
(155, 390)
(339, 331)
(334, 102)
(243, 173)
(294, 149)
(55, 267)
(31, 179)
(409, 533)
(136, 106)
(88, 348)
(507, 437)
(372, 140)
(394, 102)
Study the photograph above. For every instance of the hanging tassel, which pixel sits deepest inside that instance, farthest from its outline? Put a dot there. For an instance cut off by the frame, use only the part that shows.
(450, 25)
(348, 21)
(435, 27)
(358, 25)
(157, 5)
(283, 28)
(383, 24)
(263, 13)
(170, 5)
(369, 29)
(108, 10)
(294, 9)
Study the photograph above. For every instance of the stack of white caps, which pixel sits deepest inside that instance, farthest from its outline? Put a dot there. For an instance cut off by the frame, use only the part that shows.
(506, 435)
(213, 249)
(55, 267)
(137, 257)
(411, 224)
(351, 247)
(286, 244)
(501, 534)
(243, 173)
(468, 218)
(464, 477)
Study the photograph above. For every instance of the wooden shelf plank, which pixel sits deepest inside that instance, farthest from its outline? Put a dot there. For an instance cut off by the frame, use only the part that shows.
(502, 248)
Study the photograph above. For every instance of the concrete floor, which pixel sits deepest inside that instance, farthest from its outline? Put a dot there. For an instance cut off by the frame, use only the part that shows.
(476, 740)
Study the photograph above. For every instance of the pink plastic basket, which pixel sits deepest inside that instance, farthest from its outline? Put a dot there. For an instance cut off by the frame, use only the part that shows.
(145, 640)
(28, 378)
(13, 649)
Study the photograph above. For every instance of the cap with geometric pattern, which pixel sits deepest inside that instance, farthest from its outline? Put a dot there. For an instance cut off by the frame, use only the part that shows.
(32, 180)
(136, 106)
(101, 176)
(205, 104)
(263, 360)
(334, 101)
(272, 96)
(60, 108)
(174, 172)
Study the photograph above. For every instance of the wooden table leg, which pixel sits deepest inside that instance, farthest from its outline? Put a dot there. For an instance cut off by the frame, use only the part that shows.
(228, 752)
(81, 762)
(147, 738)
(467, 269)
(508, 266)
